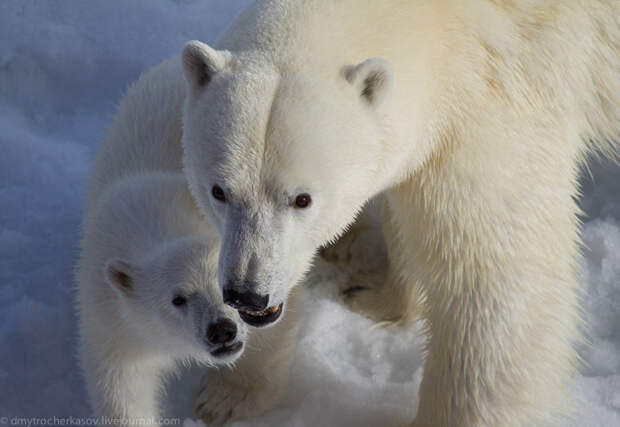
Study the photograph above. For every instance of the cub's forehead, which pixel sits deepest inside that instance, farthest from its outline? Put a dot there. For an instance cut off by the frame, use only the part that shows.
(190, 263)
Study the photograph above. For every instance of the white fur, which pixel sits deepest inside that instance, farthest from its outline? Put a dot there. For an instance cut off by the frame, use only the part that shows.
(144, 136)
(474, 130)
(146, 227)
(137, 204)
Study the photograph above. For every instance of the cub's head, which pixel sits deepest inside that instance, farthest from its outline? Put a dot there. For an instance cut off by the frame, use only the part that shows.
(281, 160)
(173, 302)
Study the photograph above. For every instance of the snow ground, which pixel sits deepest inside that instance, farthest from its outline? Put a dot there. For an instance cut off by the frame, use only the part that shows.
(63, 67)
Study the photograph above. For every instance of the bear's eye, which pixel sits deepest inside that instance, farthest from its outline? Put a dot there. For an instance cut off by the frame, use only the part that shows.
(302, 201)
(179, 301)
(218, 193)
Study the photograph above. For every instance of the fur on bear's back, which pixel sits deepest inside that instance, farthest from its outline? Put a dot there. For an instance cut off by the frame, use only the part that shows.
(146, 133)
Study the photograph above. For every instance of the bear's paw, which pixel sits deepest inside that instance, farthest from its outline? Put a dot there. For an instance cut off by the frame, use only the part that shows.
(223, 398)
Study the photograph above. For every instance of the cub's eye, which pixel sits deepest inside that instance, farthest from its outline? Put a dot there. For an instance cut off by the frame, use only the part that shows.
(218, 193)
(179, 301)
(302, 201)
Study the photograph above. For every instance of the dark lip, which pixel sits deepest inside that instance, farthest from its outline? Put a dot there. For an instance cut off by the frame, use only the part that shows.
(227, 350)
(261, 321)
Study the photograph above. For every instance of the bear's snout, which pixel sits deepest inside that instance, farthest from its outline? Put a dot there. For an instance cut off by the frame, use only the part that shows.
(223, 331)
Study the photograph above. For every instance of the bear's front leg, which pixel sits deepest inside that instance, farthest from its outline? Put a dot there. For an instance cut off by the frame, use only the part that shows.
(498, 357)
(258, 379)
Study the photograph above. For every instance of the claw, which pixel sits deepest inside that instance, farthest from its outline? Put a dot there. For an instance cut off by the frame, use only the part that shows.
(350, 292)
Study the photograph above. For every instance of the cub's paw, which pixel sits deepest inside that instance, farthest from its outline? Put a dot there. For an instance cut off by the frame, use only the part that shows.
(374, 296)
(359, 250)
(362, 294)
(221, 400)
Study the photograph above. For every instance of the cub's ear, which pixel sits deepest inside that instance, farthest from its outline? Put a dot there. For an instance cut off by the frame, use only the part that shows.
(201, 63)
(120, 275)
(373, 80)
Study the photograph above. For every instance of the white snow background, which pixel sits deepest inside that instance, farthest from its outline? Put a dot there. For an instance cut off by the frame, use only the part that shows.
(63, 69)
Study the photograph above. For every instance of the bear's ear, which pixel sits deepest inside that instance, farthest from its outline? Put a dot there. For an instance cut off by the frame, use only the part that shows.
(373, 81)
(201, 63)
(120, 275)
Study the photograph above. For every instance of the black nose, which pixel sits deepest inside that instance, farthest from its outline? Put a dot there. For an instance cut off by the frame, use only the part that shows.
(222, 331)
(245, 300)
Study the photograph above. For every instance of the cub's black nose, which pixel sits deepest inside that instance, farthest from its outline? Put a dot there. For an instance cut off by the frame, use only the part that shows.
(248, 301)
(222, 331)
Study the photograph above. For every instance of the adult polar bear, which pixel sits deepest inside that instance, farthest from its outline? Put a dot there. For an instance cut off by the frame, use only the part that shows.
(289, 128)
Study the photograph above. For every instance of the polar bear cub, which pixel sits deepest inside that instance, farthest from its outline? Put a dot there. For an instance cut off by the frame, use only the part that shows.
(148, 295)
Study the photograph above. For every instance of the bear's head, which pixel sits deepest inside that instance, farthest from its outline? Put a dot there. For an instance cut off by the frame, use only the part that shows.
(172, 301)
(281, 160)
